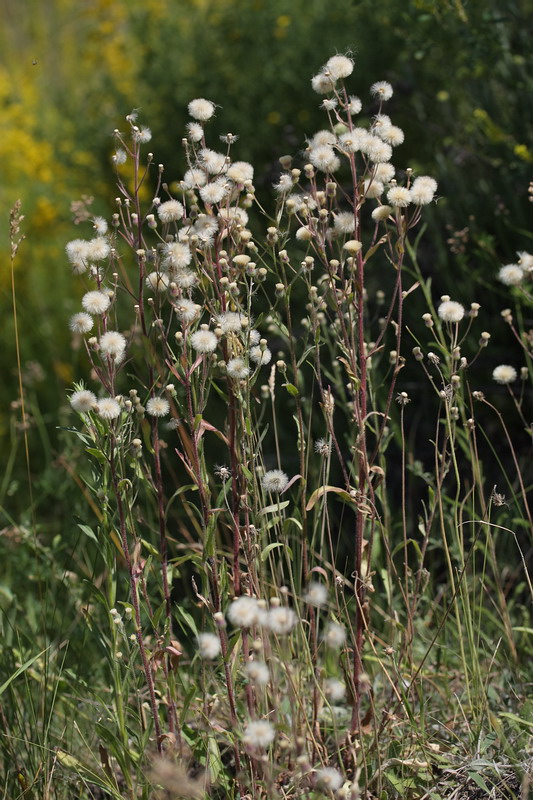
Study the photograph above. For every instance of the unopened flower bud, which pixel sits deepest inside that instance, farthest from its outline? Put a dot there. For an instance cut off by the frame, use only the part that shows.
(272, 235)
(507, 316)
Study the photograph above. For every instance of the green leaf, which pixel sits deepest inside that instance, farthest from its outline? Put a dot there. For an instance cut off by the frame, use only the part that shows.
(214, 761)
(268, 549)
(71, 762)
(20, 670)
(294, 521)
(150, 547)
(322, 490)
(88, 532)
(185, 619)
(478, 780)
(97, 454)
(515, 718)
(273, 508)
(291, 388)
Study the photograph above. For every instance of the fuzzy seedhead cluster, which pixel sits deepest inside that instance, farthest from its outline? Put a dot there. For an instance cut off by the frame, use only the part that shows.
(208, 343)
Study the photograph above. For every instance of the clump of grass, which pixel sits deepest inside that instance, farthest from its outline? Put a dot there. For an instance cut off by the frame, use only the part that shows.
(296, 588)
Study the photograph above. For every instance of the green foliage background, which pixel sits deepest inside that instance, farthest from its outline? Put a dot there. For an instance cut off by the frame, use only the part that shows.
(70, 70)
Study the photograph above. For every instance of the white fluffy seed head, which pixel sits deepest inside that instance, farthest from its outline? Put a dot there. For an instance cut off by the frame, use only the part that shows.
(240, 172)
(112, 344)
(344, 222)
(373, 188)
(244, 612)
(184, 278)
(399, 196)
(176, 255)
(157, 407)
(214, 192)
(237, 369)
(304, 234)
(281, 620)
(504, 374)
(511, 275)
(323, 84)
(201, 109)
(213, 162)
(352, 246)
(100, 225)
(98, 249)
(339, 67)
(157, 282)
(378, 151)
(284, 185)
(81, 323)
(204, 341)
(208, 645)
(83, 401)
(381, 213)
(170, 211)
(354, 106)
(384, 173)
(257, 672)
(316, 594)
(323, 158)
(194, 178)
(259, 733)
(392, 135)
(354, 140)
(231, 321)
(450, 311)
(108, 408)
(275, 480)
(186, 309)
(423, 190)
(232, 216)
(382, 90)
(335, 690)
(77, 255)
(95, 302)
(329, 778)
(335, 635)
(195, 131)
(525, 260)
(260, 356)
(322, 138)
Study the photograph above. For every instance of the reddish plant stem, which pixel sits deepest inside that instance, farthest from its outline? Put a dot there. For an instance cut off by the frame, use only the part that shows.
(135, 597)
(235, 475)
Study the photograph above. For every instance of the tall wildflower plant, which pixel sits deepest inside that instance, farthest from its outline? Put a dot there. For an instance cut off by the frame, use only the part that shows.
(246, 425)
